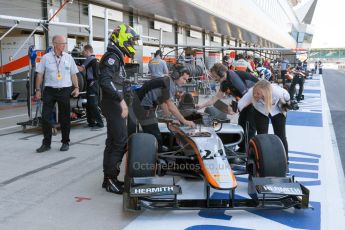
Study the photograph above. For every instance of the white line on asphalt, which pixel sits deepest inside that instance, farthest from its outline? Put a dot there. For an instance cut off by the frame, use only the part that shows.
(20, 115)
(9, 127)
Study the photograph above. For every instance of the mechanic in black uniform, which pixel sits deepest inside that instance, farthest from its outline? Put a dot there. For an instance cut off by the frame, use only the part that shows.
(91, 68)
(235, 84)
(298, 78)
(114, 108)
(159, 91)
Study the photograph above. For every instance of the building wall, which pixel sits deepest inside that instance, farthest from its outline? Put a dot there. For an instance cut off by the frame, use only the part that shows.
(78, 13)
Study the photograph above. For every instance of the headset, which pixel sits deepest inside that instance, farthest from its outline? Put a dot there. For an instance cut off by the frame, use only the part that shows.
(178, 72)
(221, 73)
(219, 70)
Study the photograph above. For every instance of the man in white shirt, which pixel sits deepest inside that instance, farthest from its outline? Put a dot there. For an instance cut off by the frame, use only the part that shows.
(59, 71)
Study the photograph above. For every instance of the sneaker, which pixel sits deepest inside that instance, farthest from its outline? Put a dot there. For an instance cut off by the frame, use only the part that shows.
(104, 184)
(113, 185)
(43, 148)
(64, 147)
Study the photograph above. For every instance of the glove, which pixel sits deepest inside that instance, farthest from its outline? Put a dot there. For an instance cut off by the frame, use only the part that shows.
(234, 106)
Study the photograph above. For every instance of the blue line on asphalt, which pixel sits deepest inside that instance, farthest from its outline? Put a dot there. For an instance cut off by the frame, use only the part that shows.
(214, 227)
(312, 91)
(304, 119)
(306, 154)
(310, 183)
(303, 166)
(300, 219)
(304, 174)
(303, 159)
(242, 179)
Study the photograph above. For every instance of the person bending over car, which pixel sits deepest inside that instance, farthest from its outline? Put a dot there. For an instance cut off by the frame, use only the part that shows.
(236, 84)
(159, 91)
(268, 101)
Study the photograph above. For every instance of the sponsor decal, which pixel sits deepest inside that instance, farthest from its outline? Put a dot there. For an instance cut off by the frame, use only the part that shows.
(111, 61)
(155, 190)
(287, 189)
(222, 178)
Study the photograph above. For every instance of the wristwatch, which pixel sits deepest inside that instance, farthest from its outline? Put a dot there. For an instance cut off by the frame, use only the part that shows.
(37, 90)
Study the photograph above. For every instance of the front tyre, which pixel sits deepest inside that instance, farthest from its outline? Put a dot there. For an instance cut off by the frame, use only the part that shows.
(266, 156)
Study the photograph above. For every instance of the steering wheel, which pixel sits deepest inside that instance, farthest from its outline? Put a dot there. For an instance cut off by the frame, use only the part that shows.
(217, 125)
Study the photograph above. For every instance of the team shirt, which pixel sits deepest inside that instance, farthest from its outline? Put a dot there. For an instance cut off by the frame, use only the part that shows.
(279, 95)
(57, 70)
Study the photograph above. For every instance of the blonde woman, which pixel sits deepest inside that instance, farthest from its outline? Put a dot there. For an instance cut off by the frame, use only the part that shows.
(267, 99)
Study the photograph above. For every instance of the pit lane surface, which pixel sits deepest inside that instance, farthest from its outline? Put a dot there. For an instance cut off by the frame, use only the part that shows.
(62, 190)
(334, 81)
(314, 160)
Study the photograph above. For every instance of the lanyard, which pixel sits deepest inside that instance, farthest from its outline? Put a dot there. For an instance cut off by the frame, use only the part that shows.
(59, 76)
(57, 63)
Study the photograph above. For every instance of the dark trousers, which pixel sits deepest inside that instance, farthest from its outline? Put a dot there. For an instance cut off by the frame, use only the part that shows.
(116, 138)
(282, 74)
(61, 96)
(247, 115)
(93, 114)
(278, 123)
(292, 90)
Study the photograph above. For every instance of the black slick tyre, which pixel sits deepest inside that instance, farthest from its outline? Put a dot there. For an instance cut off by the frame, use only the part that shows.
(266, 156)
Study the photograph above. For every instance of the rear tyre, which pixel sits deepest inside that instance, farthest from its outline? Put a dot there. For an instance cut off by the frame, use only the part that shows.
(266, 156)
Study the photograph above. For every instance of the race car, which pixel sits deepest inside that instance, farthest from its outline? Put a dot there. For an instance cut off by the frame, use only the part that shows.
(208, 151)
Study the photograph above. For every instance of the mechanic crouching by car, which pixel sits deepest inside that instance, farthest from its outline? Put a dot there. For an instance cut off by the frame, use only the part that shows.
(235, 84)
(159, 91)
(114, 108)
(269, 102)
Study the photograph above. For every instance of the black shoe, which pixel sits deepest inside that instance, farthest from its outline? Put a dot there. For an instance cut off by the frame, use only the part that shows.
(64, 147)
(113, 185)
(104, 184)
(91, 125)
(43, 148)
(97, 127)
